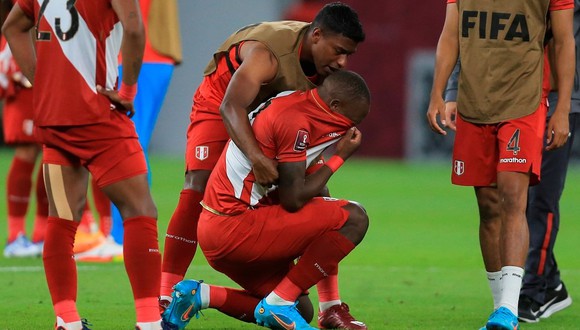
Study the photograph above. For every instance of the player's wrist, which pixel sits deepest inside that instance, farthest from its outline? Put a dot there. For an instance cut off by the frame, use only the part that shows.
(334, 163)
(127, 92)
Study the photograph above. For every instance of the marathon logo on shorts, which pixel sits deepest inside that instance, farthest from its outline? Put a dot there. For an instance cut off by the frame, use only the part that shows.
(513, 160)
(302, 140)
(458, 167)
(201, 152)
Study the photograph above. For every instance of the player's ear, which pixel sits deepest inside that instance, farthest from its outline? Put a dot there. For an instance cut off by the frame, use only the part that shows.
(316, 35)
(335, 105)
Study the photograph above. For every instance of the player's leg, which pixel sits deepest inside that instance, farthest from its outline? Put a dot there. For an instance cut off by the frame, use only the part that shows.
(140, 245)
(118, 165)
(543, 214)
(41, 215)
(477, 167)
(103, 207)
(520, 144)
(489, 233)
(319, 258)
(205, 142)
(66, 189)
(236, 303)
(257, 279)
(18, 188)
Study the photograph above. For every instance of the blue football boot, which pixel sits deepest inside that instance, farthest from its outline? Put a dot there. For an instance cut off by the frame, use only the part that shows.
(185, 303)
(280, 317)
(502, 319)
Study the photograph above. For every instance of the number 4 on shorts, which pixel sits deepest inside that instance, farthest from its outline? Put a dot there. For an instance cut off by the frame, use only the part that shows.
(514, 142)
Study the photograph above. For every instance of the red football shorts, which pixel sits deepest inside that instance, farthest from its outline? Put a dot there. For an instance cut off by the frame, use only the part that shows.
(17, 118)
(206, 140)
(109, 150)
(257, 248)
(482, 150)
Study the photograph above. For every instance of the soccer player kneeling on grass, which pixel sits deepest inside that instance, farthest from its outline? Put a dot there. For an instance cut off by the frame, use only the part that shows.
(253, 233)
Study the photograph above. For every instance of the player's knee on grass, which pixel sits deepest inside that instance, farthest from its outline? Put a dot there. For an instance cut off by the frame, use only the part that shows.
(357, 223)
(305, 307)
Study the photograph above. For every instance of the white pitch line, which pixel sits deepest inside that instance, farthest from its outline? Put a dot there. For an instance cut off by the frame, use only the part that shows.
(33, 269)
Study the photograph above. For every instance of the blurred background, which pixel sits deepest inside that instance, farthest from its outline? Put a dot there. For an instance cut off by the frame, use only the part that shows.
(396, 60)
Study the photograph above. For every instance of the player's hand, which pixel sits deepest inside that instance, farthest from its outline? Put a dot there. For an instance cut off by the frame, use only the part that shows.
(349, 143)
(117, 103)
(437, 108)
(558, 130)
(265, 171)
(451, 114)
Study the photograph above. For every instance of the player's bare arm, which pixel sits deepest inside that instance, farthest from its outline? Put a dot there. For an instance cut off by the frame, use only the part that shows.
(562, 27)
(259, 66)
(445, 59)
(132, 51)
(296, 189)
(16, 29)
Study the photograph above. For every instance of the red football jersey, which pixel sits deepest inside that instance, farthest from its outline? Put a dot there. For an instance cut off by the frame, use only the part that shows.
(289, 128)
(77, 48)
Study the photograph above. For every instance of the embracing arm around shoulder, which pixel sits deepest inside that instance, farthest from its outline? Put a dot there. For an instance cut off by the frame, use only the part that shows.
(16, 29)
(259, 66)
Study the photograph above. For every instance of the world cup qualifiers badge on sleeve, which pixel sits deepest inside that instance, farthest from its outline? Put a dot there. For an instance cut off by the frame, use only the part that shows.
(302, 141)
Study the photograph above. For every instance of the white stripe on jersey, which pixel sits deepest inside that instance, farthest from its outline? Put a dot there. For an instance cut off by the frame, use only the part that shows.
(238, 168)
(113, 45)
(81, 50)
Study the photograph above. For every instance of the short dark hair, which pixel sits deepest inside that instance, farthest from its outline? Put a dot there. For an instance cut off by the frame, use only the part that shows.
(349, 85)
(339, 18)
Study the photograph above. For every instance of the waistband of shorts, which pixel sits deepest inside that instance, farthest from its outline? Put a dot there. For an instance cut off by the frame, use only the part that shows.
(216, 212)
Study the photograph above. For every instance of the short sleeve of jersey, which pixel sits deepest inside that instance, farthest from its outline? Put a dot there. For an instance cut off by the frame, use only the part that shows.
(561, 4)
(292, 138)
(27, 7)
(451, 1)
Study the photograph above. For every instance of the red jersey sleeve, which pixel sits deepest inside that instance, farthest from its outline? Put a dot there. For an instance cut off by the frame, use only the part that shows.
(561, 4)
(27, 7)
(291, 137)
(451, 1)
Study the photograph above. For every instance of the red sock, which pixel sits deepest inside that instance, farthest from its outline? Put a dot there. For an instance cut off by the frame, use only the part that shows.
(320, 260)
(143, 265)
(238, 304)
(328, 288)
(103, 206)
(41, 209)
(18, 185)
(60, 267)
(181, 238)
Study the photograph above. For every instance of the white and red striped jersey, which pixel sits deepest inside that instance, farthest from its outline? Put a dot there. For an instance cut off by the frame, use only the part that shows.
(77, 44)
(291, 127)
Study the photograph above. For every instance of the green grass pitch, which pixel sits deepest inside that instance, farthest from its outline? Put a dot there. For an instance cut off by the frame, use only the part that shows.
(419, 266)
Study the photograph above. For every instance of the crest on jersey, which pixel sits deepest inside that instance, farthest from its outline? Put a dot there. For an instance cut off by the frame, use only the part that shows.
(302, 140)
(201, 152)
(458, 167)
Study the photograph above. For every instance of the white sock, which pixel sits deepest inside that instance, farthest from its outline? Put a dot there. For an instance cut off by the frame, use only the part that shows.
(274, 299)
(77, 325)
(327, 304)
(494, 279)
(149, 325)
(204, 292)
(511, 283)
